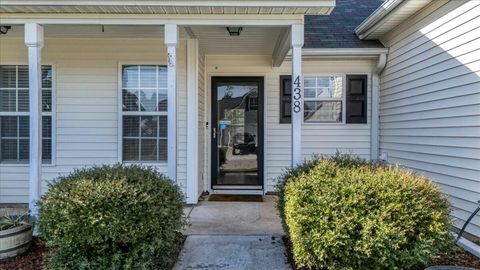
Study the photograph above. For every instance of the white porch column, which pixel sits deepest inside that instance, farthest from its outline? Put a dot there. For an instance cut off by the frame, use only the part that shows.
(192, 121)
(297, 93)
(34, 42)
(171, 40)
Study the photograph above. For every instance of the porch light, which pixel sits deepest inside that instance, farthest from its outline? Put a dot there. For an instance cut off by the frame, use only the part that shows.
(234, 31)
(4, 29)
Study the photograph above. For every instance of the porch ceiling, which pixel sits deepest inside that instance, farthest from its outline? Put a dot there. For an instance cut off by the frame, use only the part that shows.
(266, 7)
(253, 40)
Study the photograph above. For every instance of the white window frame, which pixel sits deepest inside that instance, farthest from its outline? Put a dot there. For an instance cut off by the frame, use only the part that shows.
(52, 114)
(343, 99)
(121, 113)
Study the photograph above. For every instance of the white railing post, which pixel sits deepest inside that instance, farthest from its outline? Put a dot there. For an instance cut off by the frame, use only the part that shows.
(34, 42)
(297, 93)
(171, 41)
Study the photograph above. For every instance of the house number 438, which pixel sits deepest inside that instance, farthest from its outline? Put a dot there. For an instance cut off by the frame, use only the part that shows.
(297, 95)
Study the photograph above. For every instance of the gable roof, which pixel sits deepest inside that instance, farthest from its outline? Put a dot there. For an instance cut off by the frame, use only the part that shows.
(338, 29)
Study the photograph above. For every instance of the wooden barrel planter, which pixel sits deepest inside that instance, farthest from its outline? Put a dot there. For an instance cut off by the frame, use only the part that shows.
(15, 241)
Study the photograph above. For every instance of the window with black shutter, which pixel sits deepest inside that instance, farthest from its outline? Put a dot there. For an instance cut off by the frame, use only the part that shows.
(285, 99)
(356, 99)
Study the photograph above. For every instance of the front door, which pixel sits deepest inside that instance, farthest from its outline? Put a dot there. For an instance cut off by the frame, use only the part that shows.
(237, 133)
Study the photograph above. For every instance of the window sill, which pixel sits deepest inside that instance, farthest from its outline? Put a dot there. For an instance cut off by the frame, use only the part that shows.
(145, 163)
(24, 165)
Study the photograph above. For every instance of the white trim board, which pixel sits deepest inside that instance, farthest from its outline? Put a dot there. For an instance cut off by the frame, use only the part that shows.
(153, 19)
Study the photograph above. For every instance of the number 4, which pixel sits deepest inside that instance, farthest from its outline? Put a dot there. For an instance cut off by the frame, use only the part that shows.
(297, 81)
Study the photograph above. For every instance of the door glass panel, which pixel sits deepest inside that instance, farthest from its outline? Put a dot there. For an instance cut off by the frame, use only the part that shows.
(237, 133)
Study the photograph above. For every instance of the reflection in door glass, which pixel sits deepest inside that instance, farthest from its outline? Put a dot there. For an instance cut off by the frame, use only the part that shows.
(237, 133)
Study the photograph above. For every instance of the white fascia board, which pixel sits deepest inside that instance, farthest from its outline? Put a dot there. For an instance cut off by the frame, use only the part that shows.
(304, 7)
(184, 3)
(178, 3)
(371, 22)
(152, 19)
(345, 52)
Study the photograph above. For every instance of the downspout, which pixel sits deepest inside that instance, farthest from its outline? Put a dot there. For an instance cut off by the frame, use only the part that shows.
(375, 126)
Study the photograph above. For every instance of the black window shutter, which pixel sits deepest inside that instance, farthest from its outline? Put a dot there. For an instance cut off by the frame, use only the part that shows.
(285, 99)
(356, 99)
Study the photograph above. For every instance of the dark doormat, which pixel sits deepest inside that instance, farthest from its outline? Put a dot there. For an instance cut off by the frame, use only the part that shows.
(235, 198)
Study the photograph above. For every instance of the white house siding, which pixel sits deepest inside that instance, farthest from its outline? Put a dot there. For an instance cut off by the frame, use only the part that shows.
(87, 77)
(316, 138)
(430, 100)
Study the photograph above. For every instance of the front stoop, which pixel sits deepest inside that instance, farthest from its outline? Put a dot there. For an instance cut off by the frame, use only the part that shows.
(233, 252)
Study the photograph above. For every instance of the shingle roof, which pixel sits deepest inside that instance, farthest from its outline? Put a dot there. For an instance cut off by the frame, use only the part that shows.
(337, 29)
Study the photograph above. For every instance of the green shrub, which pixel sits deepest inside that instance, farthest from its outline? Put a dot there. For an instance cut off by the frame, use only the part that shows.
(112, 217)
(344, 213)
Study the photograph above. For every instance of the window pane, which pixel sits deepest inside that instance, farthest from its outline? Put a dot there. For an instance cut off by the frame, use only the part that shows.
(148, 100)
(46, 126)
(130, 77)
(163, 122)
(310, 82)
(149, 126)
(323, 111)
(310, 93)
(162, 77)
(47, 150)
(149, 149)
(23, 149)
(23, 96)
(130, 100)
(8, 77)
(323, 82)
(131, 126)
(130, 149)
(46, 100)
(7, 101)
(8, 150)
(148, 77)
(9, 126)
(163, 150)
(23, 125)
(162, 102)
(22, 76)
(337, 86)
(46, 76)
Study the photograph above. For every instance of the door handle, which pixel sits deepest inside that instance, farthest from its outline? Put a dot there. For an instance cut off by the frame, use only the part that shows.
(214, 133)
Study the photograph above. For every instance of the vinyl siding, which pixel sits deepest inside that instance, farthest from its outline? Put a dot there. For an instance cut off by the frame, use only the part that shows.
(430, 101)
(317, 138)
(87, 77)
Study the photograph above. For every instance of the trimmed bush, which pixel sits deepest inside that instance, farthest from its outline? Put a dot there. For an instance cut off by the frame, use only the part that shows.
(344, 213)
(112, 217)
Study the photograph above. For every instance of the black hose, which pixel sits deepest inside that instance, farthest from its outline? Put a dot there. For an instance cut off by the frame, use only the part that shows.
(466, 223)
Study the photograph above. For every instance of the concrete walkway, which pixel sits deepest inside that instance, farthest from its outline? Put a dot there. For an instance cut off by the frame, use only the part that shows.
(233, 235)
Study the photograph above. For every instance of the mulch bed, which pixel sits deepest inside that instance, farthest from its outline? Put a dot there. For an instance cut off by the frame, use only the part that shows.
(30, 260)
(458, 258)
(33, 258)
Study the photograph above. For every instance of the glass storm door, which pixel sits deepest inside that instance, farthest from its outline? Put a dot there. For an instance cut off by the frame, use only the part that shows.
(237, 132)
